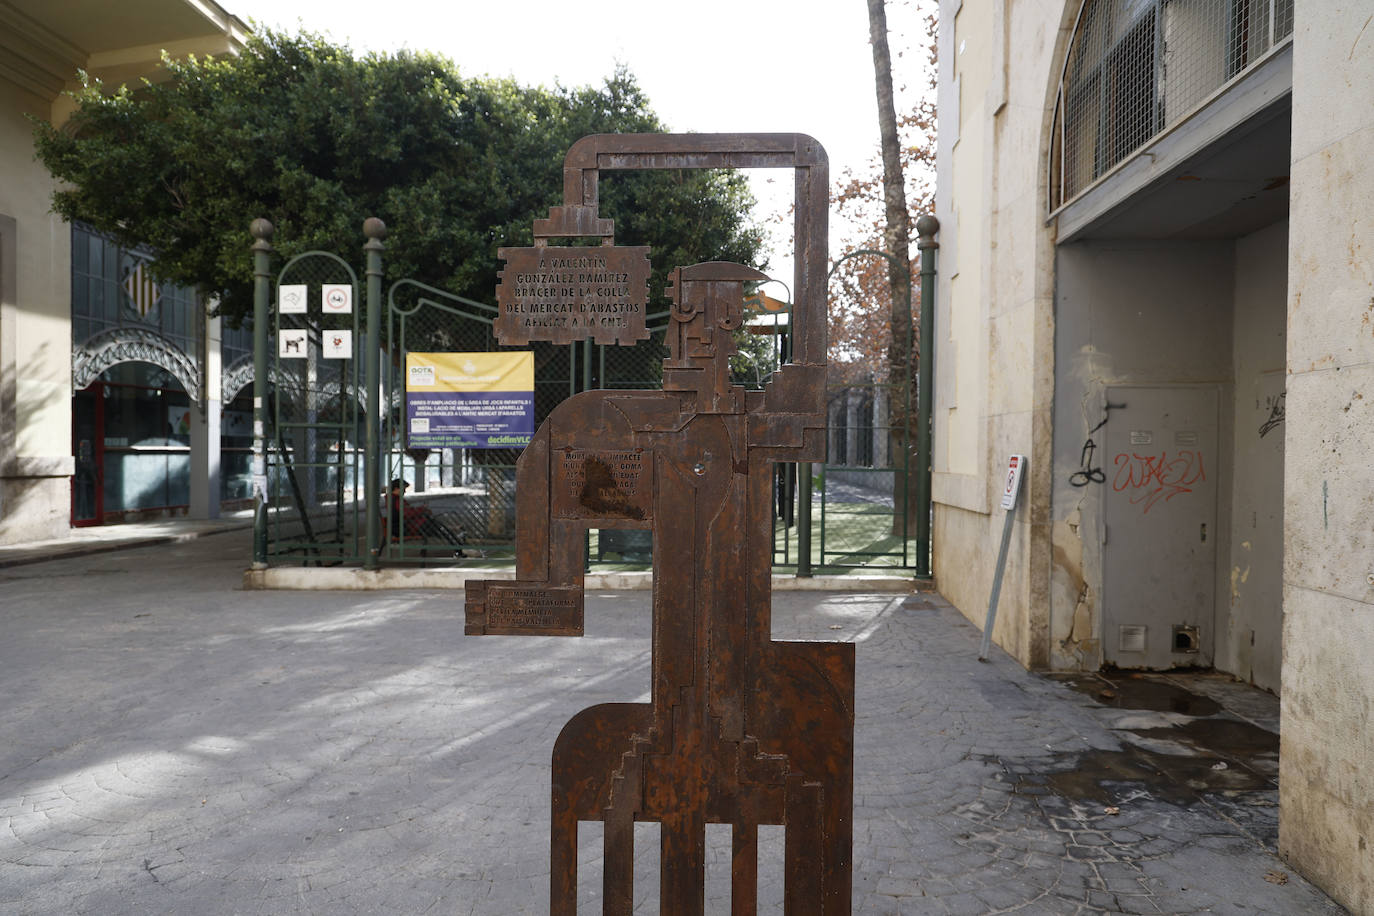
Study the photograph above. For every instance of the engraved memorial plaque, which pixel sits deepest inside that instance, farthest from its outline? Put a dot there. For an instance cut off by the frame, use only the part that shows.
(521, 610)
(603, 484)
(567, 294)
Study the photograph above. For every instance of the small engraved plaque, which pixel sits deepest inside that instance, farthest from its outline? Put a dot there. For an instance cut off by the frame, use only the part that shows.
(610, 484)
(1185, 437)
(567, 294)
(1142, 437)
(515, 610)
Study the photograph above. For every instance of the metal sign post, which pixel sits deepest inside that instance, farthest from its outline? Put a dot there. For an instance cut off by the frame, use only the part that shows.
(1016, 469)
(262, 291)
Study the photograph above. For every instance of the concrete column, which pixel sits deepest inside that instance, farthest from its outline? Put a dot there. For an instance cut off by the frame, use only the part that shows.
(882, 435)
(205, 433)
(834, 410)
(853, 425)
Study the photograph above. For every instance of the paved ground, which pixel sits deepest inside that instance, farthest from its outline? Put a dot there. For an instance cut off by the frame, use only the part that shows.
(82, 542)
(170, 744)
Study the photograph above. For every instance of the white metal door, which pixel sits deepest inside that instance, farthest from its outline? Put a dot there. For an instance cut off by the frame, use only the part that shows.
(1159, 558)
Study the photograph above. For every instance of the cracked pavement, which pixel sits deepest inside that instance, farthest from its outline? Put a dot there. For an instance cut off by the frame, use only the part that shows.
(172, 744)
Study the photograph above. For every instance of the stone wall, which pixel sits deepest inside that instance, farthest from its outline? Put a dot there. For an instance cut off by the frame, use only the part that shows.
(35, 335)
(1326, 824)
(994, 331)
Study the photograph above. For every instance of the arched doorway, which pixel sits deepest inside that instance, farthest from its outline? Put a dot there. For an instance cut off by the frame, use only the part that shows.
(131, 432)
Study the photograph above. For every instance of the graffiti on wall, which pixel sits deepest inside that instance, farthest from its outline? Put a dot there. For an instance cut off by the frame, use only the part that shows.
(1276, 405)
(1086, 473)
(1152, 479)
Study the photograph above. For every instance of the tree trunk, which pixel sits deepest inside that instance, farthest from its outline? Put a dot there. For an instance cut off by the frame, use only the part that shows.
(896, 239)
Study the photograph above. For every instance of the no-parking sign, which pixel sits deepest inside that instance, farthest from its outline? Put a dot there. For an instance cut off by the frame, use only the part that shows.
(1012, 487)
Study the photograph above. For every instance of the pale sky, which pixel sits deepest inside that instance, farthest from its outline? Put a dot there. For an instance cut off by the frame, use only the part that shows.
(706, 65)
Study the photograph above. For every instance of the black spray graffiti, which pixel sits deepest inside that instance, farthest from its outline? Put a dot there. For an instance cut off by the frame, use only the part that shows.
(1086, 473)
(1277, 406)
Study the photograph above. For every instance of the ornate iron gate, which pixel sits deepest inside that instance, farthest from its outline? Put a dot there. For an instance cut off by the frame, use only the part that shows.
(313, 416)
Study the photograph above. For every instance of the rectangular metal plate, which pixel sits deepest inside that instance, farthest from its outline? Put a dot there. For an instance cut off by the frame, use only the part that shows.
(522, 610)
(568, 294)
(603, 484)
(1132, 638)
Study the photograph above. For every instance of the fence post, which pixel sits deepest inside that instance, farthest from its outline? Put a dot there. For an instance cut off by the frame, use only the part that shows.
(926, 227)
(375, 230)
(261, 230)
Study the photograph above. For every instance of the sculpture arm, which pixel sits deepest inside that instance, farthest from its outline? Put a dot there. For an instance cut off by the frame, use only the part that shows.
(546, 598)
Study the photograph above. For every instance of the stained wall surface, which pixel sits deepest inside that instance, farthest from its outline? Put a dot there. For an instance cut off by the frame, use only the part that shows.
(1326, 819)
(1128, 313)
(35, 334)
(1196, 314)
(1250, 596)
(994, 311)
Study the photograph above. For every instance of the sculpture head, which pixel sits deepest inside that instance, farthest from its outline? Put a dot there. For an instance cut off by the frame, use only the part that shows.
(708, 304)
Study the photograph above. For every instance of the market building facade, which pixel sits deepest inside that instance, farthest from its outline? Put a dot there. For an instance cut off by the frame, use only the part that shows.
(1154, 284)
(111, 385)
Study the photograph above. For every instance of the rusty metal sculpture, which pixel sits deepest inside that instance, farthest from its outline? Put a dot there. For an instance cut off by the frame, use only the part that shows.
(740, 729)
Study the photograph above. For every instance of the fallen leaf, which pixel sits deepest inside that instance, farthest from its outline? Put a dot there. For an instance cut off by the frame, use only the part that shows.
(1111, 810)
(1276, 877)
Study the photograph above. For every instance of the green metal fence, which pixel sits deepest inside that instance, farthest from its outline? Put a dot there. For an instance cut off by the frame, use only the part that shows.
(470, 493)
(315, 432)
(862, 485)
(856, 493)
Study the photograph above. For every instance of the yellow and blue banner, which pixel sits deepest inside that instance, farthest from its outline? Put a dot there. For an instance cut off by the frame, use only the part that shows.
(469, 400)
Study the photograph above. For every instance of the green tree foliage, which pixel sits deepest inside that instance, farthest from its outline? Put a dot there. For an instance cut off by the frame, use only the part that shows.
(316, 139)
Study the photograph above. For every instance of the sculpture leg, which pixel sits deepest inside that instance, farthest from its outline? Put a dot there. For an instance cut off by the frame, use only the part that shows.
(744, 870)
(801, 876)
(588, 760)
(563, 859)
(683, 862)
(618, 877)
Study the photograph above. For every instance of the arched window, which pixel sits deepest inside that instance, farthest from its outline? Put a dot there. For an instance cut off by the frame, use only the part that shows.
(1135, 68)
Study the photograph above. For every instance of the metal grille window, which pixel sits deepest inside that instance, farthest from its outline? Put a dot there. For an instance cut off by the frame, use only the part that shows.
(1137, 67)
(112, 287)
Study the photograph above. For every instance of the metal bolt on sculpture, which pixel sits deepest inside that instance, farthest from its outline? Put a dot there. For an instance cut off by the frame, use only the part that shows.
(740, 729)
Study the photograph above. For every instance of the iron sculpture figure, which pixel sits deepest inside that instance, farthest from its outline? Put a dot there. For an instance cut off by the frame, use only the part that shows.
(740, 729)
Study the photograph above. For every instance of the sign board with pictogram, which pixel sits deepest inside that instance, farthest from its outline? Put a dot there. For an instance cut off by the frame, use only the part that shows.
(1011, 487)
(336, 299)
